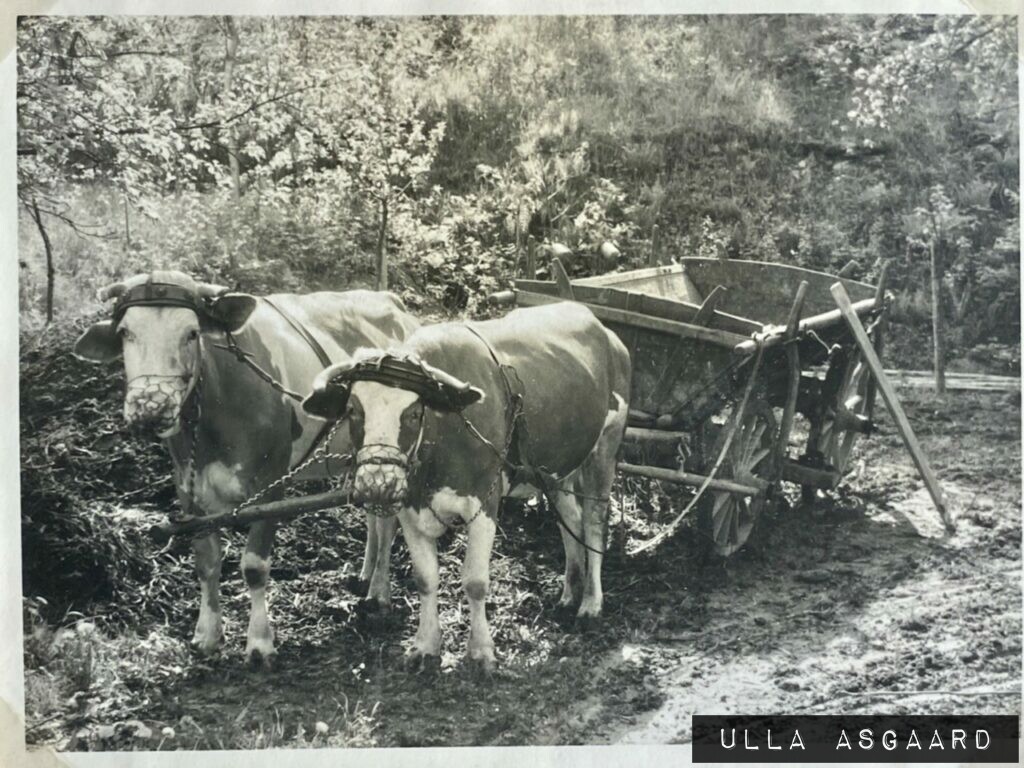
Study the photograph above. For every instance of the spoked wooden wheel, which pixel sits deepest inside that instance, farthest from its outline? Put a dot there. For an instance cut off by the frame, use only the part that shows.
(845, 417)
(750, 461)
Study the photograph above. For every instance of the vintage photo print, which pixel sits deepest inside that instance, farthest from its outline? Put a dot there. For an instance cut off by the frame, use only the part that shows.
(438, 379)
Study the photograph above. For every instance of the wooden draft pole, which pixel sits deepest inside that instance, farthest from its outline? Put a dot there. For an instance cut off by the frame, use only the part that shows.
(891, 401)
(285, 509)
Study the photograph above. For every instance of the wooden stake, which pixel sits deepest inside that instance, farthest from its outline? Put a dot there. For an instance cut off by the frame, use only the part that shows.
(893, 403)
(531, 258)
(561, 279)
(937, 332)
(793, 361)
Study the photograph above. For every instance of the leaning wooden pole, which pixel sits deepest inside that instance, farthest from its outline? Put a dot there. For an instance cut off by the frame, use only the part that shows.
(891, 401)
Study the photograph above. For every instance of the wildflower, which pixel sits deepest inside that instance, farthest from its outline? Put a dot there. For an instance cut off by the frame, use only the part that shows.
(321, 728)
(86, 628)
(168, 732)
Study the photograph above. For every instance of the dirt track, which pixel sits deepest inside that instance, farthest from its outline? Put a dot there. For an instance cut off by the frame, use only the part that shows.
(839, 610)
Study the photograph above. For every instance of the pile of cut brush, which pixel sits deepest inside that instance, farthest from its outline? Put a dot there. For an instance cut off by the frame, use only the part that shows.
(79, 467)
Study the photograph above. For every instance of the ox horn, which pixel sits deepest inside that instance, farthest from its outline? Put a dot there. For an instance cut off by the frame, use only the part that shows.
(323, 379)
(112, 291)
(209, 290)
(446, 379)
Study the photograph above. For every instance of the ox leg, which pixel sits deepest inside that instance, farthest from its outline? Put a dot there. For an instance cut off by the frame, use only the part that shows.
(423, 553)
(209, 630)
(259, 643)
(598, 476)
(568, 508)
(476, 583)
(380, 580)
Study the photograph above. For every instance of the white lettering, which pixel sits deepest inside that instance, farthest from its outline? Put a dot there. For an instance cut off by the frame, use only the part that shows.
(746, 742)
(797, 741)
(977, 738)
(962, 738)
(912, 741)
(844, 741)
(775, 748)
(889, 740)
(936, 740)
(722, 736)
(867, 740)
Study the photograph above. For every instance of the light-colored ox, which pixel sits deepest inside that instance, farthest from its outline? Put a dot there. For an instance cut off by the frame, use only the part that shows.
(247, 434)
(416, 451)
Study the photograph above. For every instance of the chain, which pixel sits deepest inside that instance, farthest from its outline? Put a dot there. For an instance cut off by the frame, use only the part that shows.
(320, 454)
(245, 357)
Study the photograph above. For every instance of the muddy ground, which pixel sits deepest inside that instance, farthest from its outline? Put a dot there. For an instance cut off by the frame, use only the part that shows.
(859, 605)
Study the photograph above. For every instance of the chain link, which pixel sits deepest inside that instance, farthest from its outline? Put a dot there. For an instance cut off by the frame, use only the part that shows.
(320, 454)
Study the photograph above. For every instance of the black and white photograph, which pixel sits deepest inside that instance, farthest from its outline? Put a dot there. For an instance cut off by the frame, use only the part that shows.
(540, 380)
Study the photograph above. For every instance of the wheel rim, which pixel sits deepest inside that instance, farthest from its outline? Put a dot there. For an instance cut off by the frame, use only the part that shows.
(834, 441)
(749, 461)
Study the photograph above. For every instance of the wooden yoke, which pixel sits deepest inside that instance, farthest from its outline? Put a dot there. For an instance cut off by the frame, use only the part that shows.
(891, 401)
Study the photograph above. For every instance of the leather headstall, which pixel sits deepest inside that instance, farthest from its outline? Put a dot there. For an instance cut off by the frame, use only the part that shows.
(158, 295)
(436, 388)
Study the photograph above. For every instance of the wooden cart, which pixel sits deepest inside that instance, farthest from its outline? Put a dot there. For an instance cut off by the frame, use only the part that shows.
(697, 333)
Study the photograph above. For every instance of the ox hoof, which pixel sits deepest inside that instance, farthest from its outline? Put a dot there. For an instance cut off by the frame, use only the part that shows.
(373, 606)
(483, 666)
(357, 586)
(422, 663)
(205, 646)
(260, 660)
(587, 622)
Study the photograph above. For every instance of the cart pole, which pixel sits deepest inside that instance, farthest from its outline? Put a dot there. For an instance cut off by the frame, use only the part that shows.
(893, 403)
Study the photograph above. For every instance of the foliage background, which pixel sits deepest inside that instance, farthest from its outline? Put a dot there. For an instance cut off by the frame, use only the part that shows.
(261, 152)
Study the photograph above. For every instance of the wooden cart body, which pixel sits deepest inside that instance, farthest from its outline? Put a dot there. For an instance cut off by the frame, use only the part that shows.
(694, 330)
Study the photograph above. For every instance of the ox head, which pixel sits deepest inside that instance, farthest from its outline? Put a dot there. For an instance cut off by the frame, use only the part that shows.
(385, 398)
(156, 324)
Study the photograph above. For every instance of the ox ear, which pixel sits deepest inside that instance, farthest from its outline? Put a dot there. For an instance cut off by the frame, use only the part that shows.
(328, 403)
(99, 344)
(328, 400)
(231, 310)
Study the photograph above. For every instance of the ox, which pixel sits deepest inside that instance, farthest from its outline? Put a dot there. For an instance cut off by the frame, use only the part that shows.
(171, 332)
(462, 414)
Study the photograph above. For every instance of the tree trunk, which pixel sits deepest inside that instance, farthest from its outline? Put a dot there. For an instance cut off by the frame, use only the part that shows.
(230, 55)
(127, 223)
(38, 217)
(382, 247)
(937, 332)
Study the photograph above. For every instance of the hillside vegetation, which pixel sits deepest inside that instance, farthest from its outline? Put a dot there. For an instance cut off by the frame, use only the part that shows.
(294, 153)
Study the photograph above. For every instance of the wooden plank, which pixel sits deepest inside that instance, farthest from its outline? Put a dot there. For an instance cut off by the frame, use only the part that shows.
(689, 478)
(638, 320)
(893, 403)
(561, 279)
(775, 334)
(646, 435)
(531, 258)
(966, 382)
(621, 279)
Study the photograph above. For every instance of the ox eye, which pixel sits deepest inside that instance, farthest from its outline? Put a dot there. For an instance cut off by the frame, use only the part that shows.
(192, 335)
(124, 334)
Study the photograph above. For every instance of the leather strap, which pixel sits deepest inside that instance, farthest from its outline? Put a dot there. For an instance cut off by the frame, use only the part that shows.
(325, 361)
(303, 332)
